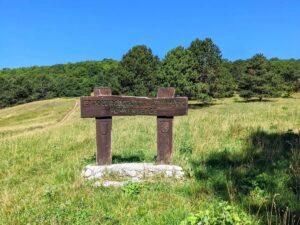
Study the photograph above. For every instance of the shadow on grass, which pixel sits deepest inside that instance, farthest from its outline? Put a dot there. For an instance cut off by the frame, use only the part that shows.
(201, 105)
(127, 159)
(115, 159)
(255, 100)
(269, 166)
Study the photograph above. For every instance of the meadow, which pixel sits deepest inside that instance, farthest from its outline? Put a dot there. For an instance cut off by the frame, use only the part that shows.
(245, 153)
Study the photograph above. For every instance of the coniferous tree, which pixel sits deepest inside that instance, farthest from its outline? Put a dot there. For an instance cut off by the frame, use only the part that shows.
(289, 70)
(137, 72)
(176, 71)
(225, 84)
(213, 79)
(258, 80)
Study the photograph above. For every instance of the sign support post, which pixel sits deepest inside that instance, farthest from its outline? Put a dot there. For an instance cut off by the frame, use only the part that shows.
(165, 130)
(103, 133)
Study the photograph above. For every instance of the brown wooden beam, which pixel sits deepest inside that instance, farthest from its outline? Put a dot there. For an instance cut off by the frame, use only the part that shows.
(165, 131)
(103, 106)
(103, 132)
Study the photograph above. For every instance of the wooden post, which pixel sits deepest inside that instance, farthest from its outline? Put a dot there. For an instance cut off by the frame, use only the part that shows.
(103, 132)
(164, 130)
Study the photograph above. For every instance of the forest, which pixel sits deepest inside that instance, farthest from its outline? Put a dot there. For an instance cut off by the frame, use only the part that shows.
(198, 71)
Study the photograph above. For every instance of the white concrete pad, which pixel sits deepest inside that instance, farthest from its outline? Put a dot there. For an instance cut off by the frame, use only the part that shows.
(132, 170)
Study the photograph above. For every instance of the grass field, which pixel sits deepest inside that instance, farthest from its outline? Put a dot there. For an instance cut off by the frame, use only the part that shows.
(244, 153)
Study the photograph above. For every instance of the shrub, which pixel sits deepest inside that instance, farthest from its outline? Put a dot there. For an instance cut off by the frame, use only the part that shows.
(219, 213)
(132, 188)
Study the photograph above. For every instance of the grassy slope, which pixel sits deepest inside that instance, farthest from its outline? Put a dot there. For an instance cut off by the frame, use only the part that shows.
(44, 145)
(33, 116)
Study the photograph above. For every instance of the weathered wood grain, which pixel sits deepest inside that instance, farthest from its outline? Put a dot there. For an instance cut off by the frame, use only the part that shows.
(104, 106)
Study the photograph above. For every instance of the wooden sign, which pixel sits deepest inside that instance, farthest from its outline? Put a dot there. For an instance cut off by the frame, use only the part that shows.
(103, 106)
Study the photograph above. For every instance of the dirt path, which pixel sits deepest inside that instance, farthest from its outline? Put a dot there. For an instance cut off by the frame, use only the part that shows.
(68, 114)
(52, 125)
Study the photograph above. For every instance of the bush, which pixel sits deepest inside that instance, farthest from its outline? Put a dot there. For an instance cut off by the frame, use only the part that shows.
(133, 188)
(219, 213)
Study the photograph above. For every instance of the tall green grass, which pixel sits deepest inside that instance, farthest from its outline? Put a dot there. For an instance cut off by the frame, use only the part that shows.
(223, 147)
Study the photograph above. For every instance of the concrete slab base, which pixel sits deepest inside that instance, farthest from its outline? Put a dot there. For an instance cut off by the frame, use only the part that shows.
(133, 172)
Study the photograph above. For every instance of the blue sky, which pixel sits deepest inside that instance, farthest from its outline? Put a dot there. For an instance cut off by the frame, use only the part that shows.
(46, 32)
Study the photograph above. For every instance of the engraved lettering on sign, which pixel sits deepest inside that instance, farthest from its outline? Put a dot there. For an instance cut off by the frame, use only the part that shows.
(164, 127)
(105, 110)
(118, 105)
(117, 111)
(132, 104)
(86, 103)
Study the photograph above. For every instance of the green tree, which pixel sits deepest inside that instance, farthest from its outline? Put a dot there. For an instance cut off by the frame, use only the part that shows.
(42, 87)
(39, 82)
(258, 80)
(176, 71)
(137, 72)
(225, 84)
(289, 70)
(237, 69)
(207, 56)
(213, 78)
(6, 92)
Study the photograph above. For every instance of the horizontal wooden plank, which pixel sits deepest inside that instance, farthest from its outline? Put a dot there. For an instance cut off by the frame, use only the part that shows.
(103, 106)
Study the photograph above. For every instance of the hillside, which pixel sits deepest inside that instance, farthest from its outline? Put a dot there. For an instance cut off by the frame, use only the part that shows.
(23, 85)
(198, 72)
(34, 116)
(231, 150)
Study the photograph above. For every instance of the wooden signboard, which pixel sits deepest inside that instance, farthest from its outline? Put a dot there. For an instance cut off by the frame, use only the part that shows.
(103, 106)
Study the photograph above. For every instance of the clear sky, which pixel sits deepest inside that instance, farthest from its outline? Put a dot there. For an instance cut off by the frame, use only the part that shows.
(46, 32)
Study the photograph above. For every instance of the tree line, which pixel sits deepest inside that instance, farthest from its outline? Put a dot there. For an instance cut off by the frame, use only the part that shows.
(198, 71)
